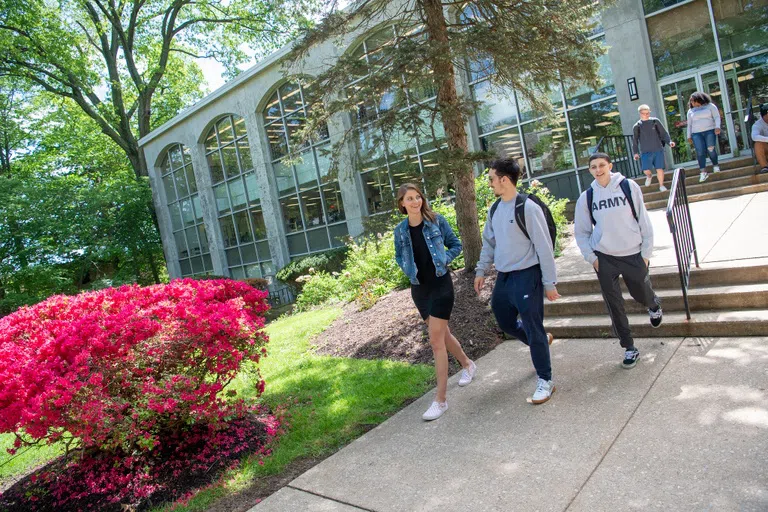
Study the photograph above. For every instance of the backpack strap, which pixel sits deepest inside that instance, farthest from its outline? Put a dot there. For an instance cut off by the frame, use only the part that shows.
(520, 213)
(590, 196)
(494, 206)
(656, 127)
(624, 184)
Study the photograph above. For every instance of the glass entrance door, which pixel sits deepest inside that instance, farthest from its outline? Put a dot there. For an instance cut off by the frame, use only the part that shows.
(675, 96)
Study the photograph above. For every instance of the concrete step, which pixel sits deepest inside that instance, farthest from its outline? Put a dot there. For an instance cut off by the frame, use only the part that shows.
(718, 194)
(669, 279)
(710, 298)
(693, 171)
(728, 182)
(692, 179)
(752, 322)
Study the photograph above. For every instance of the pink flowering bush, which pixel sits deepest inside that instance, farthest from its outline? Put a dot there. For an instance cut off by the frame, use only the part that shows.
(122, 370)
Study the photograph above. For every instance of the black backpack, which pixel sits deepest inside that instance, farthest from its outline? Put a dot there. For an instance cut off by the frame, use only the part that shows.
(624, 184)
(520, 215)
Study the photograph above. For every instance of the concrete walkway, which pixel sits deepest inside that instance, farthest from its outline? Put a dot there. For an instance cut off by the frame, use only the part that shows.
(734, 228)
(687, 429)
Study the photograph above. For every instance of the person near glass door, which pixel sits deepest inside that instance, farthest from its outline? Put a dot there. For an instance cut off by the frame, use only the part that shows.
(649, 136)
(703, 129)
(760, 138)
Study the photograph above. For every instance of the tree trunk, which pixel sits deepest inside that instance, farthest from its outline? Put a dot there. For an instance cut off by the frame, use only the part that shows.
(454, 122)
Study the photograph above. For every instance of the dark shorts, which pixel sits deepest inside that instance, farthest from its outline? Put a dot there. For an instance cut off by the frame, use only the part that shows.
(435, 299)
(653, 160)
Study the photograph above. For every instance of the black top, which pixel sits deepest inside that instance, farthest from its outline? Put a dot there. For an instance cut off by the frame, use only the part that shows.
(427, 274)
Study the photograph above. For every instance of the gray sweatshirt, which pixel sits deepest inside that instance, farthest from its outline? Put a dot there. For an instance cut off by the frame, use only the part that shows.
(506, 246)
(703, 118)
(616, 231)
(760, 130)
(650, 134)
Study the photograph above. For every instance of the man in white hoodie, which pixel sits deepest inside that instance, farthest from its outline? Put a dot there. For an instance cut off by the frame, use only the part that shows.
(615, 236)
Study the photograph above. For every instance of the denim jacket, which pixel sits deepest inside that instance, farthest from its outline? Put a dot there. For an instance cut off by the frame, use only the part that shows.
(441, 241)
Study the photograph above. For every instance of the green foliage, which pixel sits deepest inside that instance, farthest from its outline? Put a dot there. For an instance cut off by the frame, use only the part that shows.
(328, 261)
(319, 289)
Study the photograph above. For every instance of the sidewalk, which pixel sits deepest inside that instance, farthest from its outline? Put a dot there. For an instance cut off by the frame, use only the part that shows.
(687, 429)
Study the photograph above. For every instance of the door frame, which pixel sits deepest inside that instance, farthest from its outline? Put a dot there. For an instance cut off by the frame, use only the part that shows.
(726, 123)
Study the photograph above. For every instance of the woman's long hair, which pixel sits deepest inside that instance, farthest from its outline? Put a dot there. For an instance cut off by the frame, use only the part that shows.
(426, 211)
(699, 97)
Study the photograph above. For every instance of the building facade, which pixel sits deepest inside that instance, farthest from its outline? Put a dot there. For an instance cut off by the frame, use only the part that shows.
(229, 202)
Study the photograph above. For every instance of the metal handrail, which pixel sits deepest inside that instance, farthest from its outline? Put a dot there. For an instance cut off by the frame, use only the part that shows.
(619, 147)
(681, 227)
(282, 296)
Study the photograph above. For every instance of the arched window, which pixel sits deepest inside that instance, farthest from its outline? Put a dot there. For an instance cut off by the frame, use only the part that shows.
(238, 199)
(186, 215)
(404, 155)
(310, 200)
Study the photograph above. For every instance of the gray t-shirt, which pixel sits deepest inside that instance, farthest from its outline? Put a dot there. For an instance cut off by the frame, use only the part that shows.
(506, 246)
(650, 134)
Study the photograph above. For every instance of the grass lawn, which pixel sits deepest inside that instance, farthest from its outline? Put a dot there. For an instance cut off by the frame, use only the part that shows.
(330, 401)
(334, 400)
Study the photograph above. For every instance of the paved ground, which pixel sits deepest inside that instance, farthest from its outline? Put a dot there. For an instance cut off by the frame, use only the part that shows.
(733, 228)
(686, 430)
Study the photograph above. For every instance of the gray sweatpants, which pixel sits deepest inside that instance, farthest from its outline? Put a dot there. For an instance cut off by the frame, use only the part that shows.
(638, 281)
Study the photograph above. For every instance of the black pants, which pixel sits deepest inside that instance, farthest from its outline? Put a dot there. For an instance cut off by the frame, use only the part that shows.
(638, 281)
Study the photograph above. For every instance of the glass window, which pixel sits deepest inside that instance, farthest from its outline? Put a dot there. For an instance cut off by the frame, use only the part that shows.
(228, 231)
(226, 135)
(246, 163)
(297, 244)
(181, 182)
(682, 38)
(407, 171)
(189, 171)
(292, 214)
(192, 241)
(585, 94)
(186, 268)
(202, 238)
(548, 147)
(318, 240)
(741, 26)
(233, 257)
(175, 155)
(229, 157)
(237, 193)
(498, 110)
(284, 176)
(339, 234)
(181, 244)
(333, 205)
(222, 200)
(506, 144)
(378, 192)
(243, 228)
(239, 126)
(313, 208)
(170, 191)
(272, 111)
(263, 249)
(175, 216)
(187, 214)
(589, 124)
(254, 195)
(259, 228)
(656, 5)
(214, 164)
(278, 144)
(290, 93)
(745, 78)
(431, 131)
(323, 165)
(306, 171)
(248, 252)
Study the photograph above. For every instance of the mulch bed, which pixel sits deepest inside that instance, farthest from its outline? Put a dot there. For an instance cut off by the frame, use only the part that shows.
(393, 329)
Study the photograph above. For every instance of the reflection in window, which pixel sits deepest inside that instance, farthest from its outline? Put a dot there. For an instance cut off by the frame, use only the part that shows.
(498, 110)
(681, 38)
(180, 186)
(741, 26)
(299, 179)
(651, 6)
(589, 124)
(585, 94)
(745, 78)
(548, 147)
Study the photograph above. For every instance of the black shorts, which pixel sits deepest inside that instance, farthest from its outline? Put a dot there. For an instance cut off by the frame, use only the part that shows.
(434, 299)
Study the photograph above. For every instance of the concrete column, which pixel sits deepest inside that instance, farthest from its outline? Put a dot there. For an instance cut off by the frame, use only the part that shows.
(160, 200)
(626, 33)
(349, 181)
(265, 180)
(208, 205)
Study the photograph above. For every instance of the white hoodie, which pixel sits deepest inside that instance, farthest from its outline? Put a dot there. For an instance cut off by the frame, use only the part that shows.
(616, 231)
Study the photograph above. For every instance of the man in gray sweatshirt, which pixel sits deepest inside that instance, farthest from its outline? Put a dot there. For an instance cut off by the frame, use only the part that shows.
(650, 136)
(526, 269)
(615, 236)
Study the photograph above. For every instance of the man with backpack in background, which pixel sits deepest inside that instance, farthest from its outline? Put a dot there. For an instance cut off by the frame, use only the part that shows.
(519, 239)
(615, 235)
(651, 137)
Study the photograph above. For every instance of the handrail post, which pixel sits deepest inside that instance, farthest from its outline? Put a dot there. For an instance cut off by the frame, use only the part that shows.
(681, 227)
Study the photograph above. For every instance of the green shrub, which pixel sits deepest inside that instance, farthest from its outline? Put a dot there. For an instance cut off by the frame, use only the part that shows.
(320, 288)
(329, 261)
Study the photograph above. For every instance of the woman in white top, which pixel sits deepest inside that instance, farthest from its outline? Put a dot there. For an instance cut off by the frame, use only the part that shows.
(703, 129)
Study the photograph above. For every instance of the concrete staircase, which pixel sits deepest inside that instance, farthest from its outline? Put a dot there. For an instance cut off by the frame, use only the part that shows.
(727, 300)
(737, 177)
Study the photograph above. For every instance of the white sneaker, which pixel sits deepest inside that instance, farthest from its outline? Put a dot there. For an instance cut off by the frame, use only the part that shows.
(544, 390)
(648, 181)
(703, 177)
(662, 188)
(435, 411)
(716, 168)
(467, 374)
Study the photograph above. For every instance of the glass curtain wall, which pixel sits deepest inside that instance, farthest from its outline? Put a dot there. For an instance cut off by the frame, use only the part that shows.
(405, 155)
(548, 151)
(186, 215)
(238, 199)
(310, 199)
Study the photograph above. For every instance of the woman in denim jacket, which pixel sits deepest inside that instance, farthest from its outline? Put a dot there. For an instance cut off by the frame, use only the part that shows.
(425, 245)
